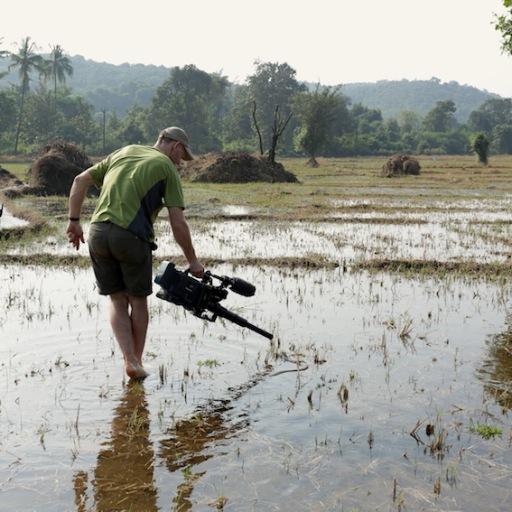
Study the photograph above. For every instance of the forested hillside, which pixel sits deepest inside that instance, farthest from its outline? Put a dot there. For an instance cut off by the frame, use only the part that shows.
(118, 88)
(103, 106)
(393, 96)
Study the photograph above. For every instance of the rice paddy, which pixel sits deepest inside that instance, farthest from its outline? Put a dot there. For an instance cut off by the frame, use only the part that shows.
(388, 385)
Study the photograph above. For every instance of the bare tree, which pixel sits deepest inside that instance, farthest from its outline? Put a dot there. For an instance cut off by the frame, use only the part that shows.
(278, 128)
(257, 127)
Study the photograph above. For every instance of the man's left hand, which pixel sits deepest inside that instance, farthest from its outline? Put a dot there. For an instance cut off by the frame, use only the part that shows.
(196, 269)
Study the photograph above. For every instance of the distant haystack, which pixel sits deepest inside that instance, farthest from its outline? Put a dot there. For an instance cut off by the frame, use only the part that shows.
(235, 168)
(7, 179)
(312, 162)
(401, 165)
(54, 171)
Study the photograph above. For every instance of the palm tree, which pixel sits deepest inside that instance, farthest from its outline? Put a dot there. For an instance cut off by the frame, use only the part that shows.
(25, 61)
(59, 66)
(3, 53)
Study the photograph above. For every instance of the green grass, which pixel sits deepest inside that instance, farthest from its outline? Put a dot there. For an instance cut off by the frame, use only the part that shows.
(443, 178)
(18, 168)
(349, 186)
(446, 178)
(210, 363)
(416, 268)
(486, 431)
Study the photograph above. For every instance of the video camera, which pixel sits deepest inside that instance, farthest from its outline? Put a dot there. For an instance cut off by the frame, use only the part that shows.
(201, 295)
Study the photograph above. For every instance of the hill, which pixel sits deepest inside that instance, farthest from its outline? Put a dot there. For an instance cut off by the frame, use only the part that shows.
(119, 87)
(108, 86)
(393, 96)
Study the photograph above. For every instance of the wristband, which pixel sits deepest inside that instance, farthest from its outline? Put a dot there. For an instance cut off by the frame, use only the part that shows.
(74, 219)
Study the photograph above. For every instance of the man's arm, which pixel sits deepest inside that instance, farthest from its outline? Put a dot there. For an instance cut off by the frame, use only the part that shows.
(81, 184)
(181, 233)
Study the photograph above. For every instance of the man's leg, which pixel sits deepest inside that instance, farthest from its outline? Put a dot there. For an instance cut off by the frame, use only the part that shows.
(139, 317)
(124, 331)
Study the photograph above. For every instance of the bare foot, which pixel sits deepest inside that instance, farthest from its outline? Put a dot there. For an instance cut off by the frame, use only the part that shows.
(135, 371)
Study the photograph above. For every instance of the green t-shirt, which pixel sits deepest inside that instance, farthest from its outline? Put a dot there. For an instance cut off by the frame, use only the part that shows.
(136, 183)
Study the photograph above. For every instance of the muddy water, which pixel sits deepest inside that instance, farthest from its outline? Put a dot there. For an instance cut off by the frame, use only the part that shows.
(218, 423)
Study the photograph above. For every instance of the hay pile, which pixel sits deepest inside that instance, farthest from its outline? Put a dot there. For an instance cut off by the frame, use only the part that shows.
(312, 162)
(7, 179)
(401, 165)
(235, 168)
(55, 169)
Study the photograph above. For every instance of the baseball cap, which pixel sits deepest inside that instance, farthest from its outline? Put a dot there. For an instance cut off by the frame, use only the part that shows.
(178, 134)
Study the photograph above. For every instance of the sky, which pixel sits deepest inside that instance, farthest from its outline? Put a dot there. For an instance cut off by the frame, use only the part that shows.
(327, 41)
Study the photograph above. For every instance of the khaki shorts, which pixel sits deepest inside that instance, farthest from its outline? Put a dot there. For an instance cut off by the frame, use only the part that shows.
(121, 260)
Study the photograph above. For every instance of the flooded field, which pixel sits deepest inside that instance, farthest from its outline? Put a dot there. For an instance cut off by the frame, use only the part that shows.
(7, 220)
(386, 357)
(347, 239)
(381, 391)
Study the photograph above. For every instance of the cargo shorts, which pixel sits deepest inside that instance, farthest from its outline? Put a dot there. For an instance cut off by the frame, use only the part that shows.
(120, 259)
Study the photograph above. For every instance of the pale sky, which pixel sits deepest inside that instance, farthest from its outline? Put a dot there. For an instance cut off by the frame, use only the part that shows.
(331, 41)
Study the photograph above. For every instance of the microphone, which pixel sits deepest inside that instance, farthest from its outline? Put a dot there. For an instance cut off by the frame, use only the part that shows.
(242, 287)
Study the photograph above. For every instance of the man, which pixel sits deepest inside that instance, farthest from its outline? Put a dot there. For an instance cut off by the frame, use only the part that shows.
(136, 182)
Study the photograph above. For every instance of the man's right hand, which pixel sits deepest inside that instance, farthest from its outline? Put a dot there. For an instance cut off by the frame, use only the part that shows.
(75, 234)
(196, 269)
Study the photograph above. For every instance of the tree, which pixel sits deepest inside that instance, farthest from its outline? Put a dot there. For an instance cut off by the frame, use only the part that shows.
(71, 120)
(409, 121)
(58, 66)
(273, 84)
(42, 118)
(76, 120)
(441, 118)
(502, 138)
(480, 122)
(3, 53)
(481, 148)
(25, 61)
(504, 25)
(278, 127)
(132, 126)
(320, 114)
(367, 120)
(237, 130)
(190, 98)
(491, 113)
(7, 110)
(392, 130)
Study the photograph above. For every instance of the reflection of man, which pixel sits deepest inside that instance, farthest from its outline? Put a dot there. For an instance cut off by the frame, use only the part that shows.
(124, 475)
(123, 478)
(496, 369)
(136, 182)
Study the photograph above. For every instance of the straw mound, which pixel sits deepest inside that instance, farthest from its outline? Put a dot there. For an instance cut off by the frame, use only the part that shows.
(7, 179)
(401, 165)
(235, 168)
(55, 169)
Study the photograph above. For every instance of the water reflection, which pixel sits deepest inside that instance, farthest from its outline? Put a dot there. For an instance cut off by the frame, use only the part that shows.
(496, 370)
(191, 440)
(187, 446)
(123, 477)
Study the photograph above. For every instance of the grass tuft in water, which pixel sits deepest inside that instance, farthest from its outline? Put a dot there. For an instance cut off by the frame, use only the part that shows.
(486, 431)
